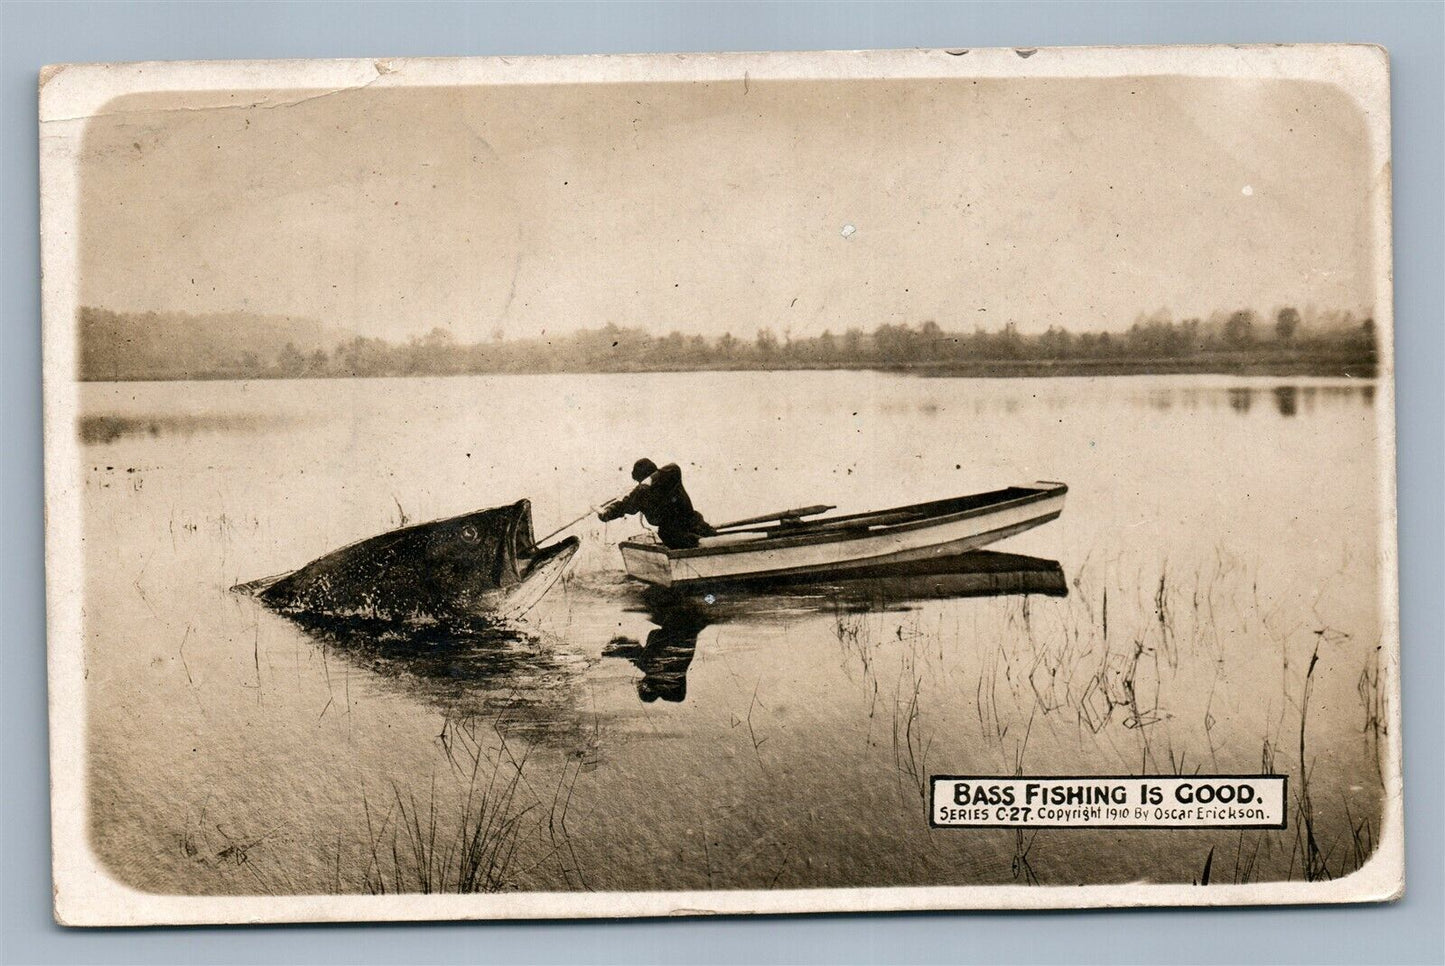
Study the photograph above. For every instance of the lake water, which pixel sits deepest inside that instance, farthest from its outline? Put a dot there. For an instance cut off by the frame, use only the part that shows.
(1218, 533)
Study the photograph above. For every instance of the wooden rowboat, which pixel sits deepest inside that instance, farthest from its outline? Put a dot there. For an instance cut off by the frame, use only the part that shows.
(826, 547)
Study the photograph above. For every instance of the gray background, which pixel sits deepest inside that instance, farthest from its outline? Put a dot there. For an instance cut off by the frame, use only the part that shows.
(33, 34)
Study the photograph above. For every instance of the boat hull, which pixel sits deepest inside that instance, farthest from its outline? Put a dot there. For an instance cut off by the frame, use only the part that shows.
(836, 547)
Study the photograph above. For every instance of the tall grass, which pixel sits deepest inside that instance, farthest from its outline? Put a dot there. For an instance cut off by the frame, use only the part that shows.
(1142, 669)
(490, 834)
(911, 743)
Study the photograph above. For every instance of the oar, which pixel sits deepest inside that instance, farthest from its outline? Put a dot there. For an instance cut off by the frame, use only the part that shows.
(781, 515)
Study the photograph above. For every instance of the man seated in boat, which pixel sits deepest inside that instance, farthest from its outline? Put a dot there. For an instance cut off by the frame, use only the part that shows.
(660, 498)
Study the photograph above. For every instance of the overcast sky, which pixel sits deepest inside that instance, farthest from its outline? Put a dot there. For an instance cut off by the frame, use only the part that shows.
(715, 207)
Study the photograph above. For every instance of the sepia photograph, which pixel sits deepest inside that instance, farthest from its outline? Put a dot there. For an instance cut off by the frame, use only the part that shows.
(720, 483)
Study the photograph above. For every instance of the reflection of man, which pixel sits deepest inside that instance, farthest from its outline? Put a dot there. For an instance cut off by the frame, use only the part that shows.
(666, 656)
(660, 498)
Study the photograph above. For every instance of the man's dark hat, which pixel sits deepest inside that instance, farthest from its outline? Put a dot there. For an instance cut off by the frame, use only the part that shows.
(642, 469)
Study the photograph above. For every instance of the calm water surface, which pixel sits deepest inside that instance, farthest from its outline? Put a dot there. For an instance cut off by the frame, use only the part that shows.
(1218, 532)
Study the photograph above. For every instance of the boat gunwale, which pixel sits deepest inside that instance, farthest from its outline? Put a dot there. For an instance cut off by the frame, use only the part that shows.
(839, 571)
(843, 534)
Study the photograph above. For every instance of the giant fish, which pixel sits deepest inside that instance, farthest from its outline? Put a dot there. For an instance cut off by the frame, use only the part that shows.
(483, 563)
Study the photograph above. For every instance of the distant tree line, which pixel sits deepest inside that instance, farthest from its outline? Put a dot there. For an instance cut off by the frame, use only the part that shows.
(1237, 340)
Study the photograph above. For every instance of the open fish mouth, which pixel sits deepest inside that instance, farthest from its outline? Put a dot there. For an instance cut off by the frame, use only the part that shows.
(542, 558)
(542, 571)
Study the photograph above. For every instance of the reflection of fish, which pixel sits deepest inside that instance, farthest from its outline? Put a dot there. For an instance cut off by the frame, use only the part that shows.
(478, 563)
(471, 669)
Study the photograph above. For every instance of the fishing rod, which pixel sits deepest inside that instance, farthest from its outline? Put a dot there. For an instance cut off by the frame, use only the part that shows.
(781, 516)
(568, 526)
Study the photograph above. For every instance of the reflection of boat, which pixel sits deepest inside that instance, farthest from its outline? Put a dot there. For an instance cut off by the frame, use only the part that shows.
(485, 562)
(827, 547)
(978, 573)
(681, 614)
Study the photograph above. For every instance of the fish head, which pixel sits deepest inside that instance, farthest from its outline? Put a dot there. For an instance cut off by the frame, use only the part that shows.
(468, 558)
(462, 564)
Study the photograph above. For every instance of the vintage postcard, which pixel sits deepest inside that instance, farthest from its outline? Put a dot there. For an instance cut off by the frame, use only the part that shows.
(758, 483)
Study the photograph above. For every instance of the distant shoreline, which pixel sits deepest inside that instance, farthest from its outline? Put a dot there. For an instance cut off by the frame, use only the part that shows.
(121, 347)
(1224, 364)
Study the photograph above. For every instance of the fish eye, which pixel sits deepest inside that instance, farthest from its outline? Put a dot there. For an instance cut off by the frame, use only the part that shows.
(469, 533)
